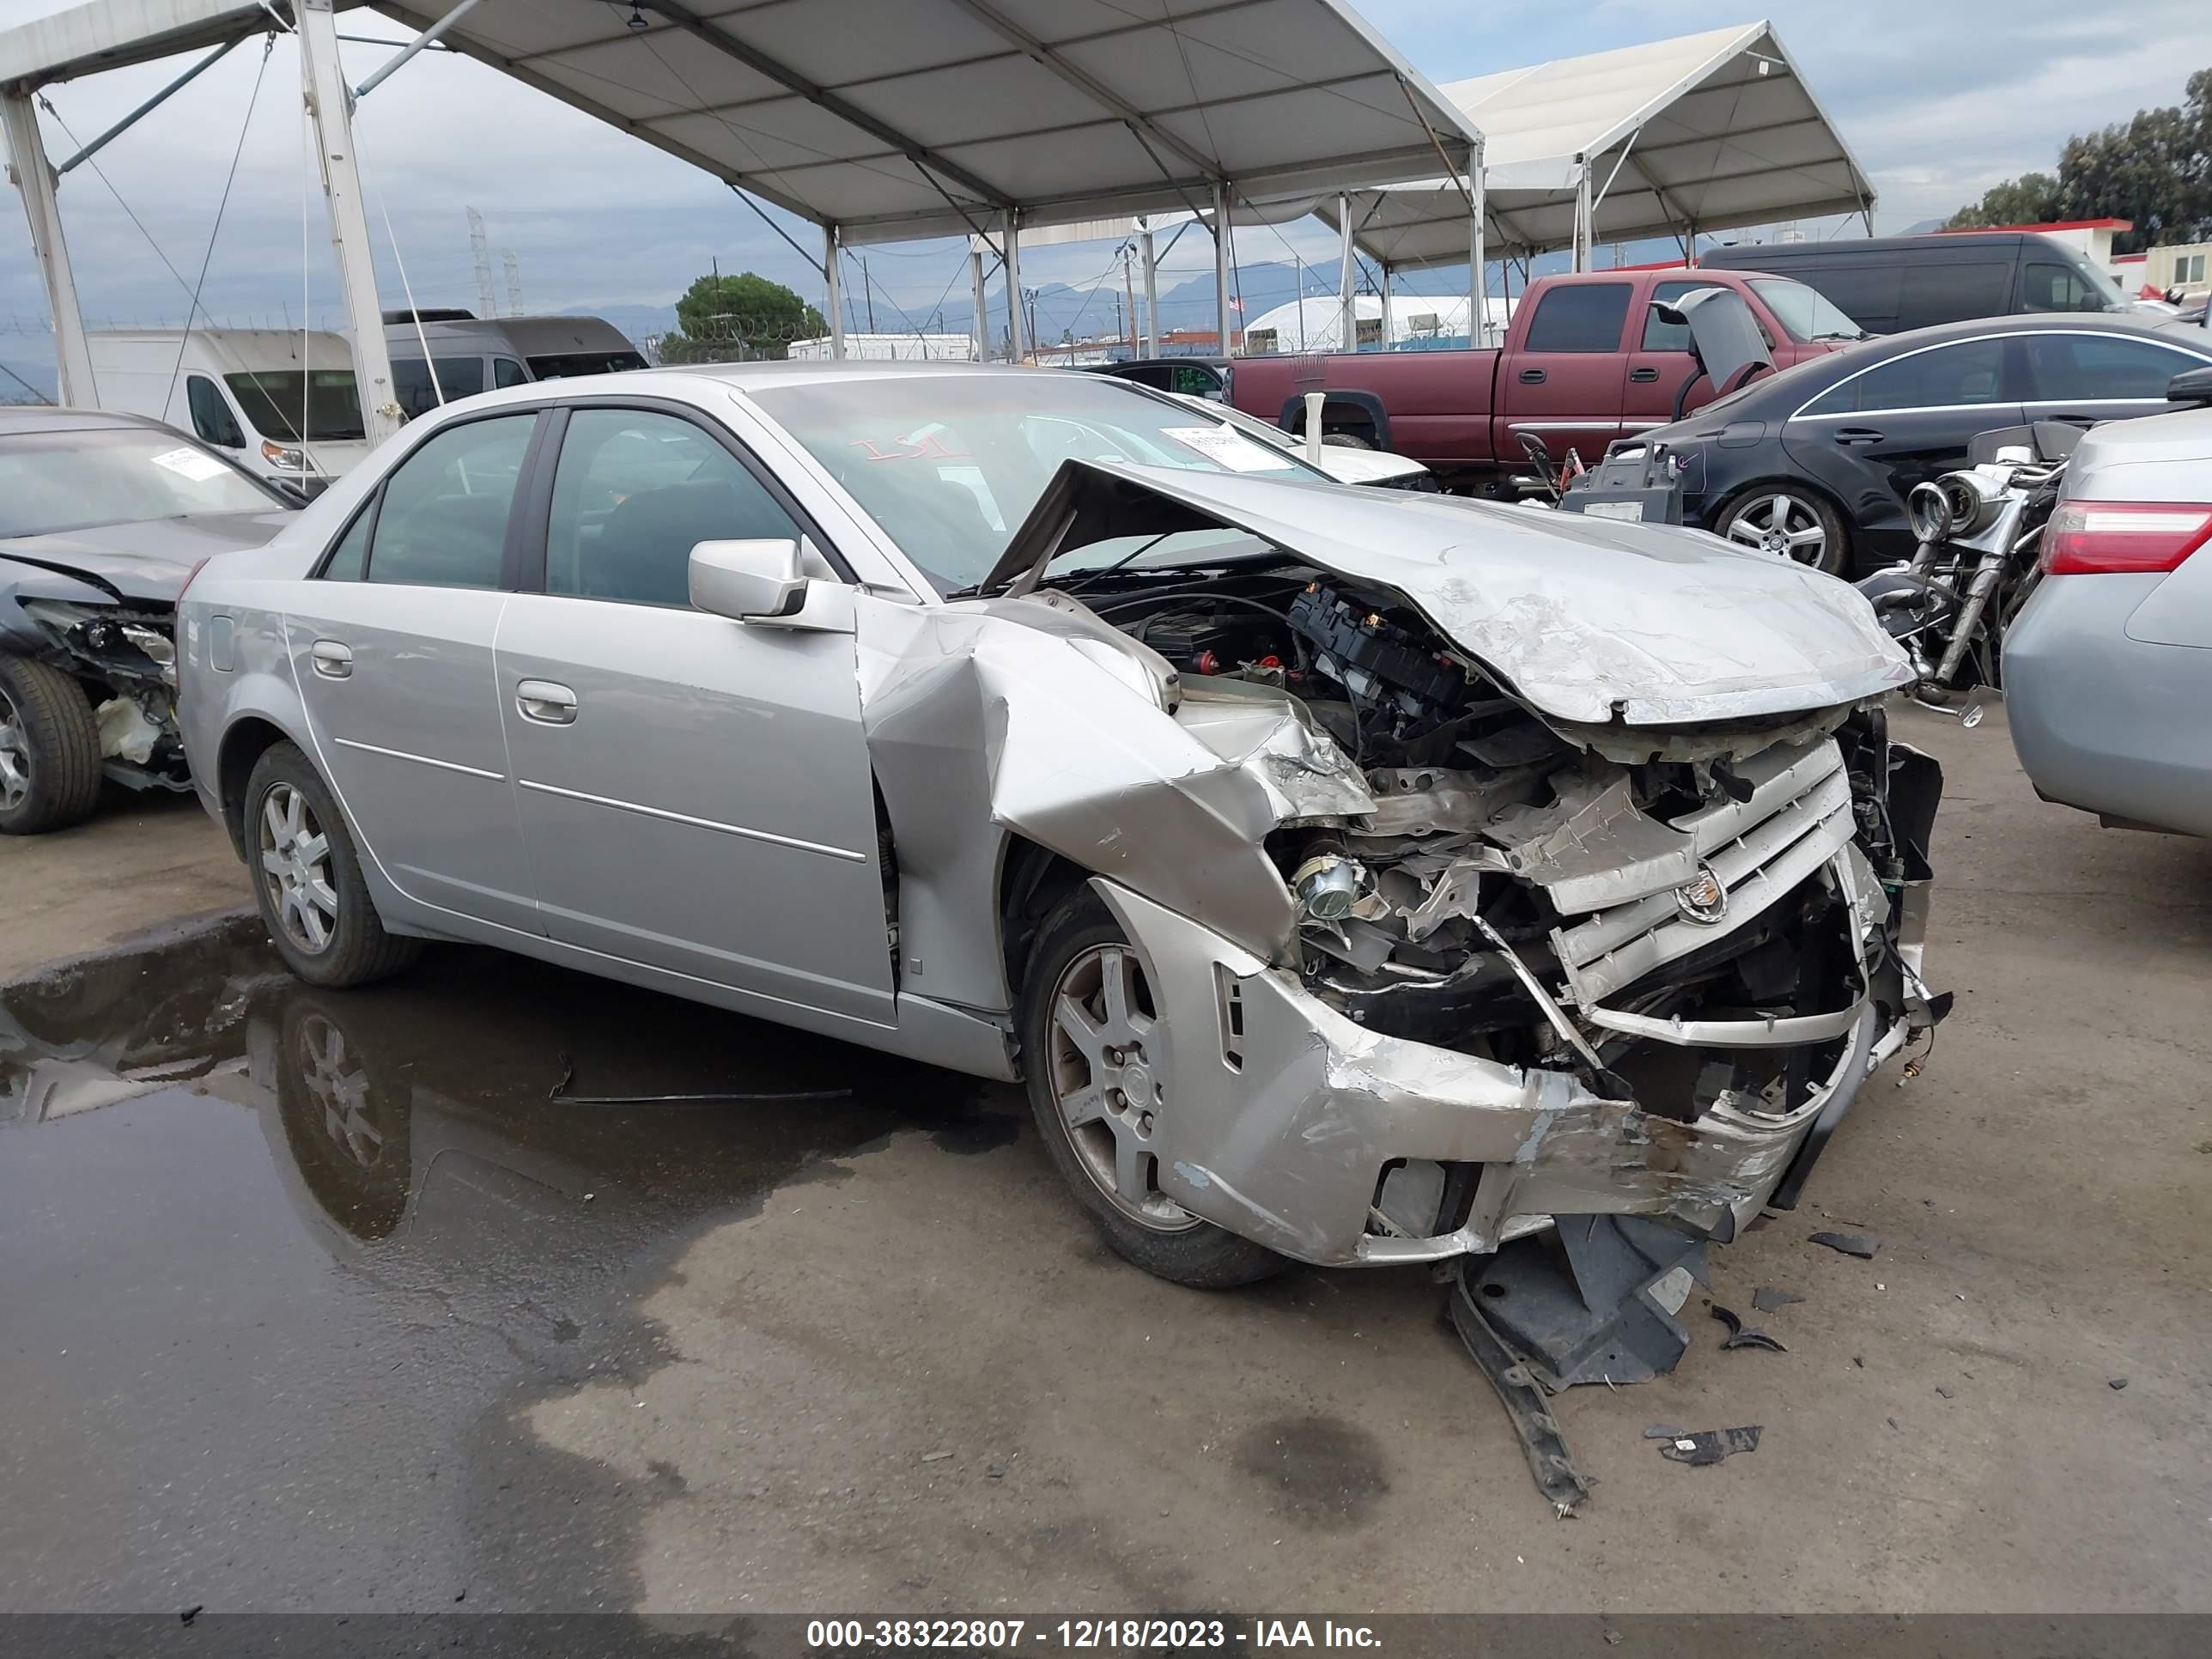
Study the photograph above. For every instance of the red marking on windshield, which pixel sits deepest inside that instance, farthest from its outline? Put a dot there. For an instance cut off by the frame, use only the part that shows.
(931, 448)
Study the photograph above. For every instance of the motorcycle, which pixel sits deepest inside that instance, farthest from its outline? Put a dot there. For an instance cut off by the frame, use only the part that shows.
(1979, 532)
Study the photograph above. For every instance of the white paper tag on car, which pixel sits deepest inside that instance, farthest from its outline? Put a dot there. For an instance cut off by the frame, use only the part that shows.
(1627, 511)
(1226, 446)
(191, 464)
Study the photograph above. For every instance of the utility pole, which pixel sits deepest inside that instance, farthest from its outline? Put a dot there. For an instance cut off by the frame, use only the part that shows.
(514, 282)
(868, 291)
(1129, 289)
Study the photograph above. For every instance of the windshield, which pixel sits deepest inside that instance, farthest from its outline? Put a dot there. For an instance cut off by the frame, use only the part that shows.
(1807, 315)
(950, 465)
(55, 481)
(271, 400)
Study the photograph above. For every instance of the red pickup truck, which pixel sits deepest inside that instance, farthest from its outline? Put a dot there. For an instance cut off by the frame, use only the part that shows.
(1586, 361)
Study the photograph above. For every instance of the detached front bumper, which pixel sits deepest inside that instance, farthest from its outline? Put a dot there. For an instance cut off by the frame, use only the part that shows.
(1284, 1115)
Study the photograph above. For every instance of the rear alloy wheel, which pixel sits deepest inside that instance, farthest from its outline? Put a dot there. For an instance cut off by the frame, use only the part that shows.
(49, 749)
(308, 877)
(1788, 523)
(295, 864)
(1093, 1052)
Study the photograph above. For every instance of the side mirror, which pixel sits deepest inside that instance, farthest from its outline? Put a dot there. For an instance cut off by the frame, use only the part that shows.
(743, 580)
(292, 490)
(2193, 387)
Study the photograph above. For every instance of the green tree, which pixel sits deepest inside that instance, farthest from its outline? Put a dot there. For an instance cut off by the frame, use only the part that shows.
(2154, 168)
(749, 310)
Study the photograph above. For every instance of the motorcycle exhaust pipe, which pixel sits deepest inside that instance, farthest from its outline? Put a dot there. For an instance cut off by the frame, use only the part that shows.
(1983, 583)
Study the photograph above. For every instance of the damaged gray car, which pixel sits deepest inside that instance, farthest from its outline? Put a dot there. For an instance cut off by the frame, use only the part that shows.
(103, 518)
(1350, 878)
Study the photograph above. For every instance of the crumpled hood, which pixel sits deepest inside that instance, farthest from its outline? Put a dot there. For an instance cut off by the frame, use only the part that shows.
(147, 560)
(1587, 620)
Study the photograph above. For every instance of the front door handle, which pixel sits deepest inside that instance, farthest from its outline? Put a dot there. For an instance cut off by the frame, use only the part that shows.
(544, 701)
(1857, 434)
(1643, 376)
(1532, 377)
(333, 661)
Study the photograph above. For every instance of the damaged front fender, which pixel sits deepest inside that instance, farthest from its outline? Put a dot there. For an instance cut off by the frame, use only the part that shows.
(1032, 717)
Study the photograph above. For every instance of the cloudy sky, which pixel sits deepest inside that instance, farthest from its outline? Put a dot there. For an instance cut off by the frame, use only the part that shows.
(1938, 99)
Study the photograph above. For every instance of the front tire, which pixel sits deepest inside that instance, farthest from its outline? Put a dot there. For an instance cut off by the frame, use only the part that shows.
(1788, 521)
(1090, 1049)
(306, 878)
(49, 749)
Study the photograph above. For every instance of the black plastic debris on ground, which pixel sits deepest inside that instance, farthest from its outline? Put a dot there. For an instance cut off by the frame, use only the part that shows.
(1741, 1335)
(1861, 1245)
(1594, 1300)
(1710, 1445)
(1538, 1430)
(1767, 1299)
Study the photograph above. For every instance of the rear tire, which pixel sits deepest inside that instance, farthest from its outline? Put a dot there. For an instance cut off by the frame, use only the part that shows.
(1790, 521)
(306, 878)
(1345, 440)
(1084, 1000)
(49, 749)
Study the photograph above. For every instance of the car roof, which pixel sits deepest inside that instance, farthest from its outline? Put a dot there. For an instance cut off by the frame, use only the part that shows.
(49, 417)
(1842, 247)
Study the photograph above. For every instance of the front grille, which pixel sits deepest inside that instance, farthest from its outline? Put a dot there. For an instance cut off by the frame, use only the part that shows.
(1798, 818)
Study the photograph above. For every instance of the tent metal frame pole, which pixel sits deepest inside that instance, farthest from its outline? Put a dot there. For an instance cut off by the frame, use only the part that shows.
(1582, 213)
(1151, 290)
(832, 246)
(1018, 334)
(1347, 308)
(36, 178)
(1478, 284)
(1221, 265)
(427, 38)
(329, 109)
(981, 314)
(1382, 282)
(149, 107)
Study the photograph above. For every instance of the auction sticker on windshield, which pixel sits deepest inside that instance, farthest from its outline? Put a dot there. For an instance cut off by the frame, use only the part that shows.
(191, 464)
(1225, 446)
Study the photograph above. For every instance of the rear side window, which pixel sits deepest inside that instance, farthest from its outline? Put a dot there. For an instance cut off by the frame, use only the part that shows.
(1660, 336)
(418, 393)
(211, 417)
(1971, 372)
(633, 493)
(1952, 291)
(506, 372)
(2098, 367)
(442, 521)
(1580, 317)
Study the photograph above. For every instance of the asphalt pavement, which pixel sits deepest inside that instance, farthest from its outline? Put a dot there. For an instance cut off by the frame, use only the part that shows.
(372, 1301)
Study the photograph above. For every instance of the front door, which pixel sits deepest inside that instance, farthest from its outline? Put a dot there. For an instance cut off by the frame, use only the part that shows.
(392, 645)
(695, 791)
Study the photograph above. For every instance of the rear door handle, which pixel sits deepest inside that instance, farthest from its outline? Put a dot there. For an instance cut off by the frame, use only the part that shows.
(1643, 376)
(545, 703)
(1857, 434)
(1532, 377)
(333, 661)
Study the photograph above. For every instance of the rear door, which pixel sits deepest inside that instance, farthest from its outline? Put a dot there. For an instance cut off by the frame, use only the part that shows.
(390, 643)
(2083, 376)
(1869, 439)
(1565, 381)
(695, 791)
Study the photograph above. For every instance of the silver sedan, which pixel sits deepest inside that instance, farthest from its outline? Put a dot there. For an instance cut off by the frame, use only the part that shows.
(1351, 877)
(2108, 669)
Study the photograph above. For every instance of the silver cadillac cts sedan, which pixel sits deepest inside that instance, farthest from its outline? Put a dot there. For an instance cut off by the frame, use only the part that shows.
(1353, 877)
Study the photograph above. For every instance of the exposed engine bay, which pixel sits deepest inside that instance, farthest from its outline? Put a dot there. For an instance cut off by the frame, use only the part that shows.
(1631, 905)
(126, 658)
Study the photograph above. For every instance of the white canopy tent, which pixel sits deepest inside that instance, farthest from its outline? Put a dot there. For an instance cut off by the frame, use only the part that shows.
(1703, 132)
(875, 119)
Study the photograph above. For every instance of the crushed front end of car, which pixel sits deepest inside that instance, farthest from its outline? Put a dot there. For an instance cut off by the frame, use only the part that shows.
(122, 650)
(1600, 881)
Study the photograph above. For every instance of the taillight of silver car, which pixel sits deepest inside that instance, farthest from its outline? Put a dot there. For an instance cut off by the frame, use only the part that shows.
(2094, 538)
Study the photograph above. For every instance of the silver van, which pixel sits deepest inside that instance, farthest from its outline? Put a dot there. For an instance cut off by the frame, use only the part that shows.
(471, 354)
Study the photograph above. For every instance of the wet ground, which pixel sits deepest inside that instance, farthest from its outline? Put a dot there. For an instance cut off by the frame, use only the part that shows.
(323, 1301)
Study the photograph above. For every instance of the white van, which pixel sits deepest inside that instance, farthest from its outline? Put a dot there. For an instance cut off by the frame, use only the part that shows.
(284, 406)
(472, 355)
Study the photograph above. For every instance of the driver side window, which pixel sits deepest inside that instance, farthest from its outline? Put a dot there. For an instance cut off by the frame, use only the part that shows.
(634, 493)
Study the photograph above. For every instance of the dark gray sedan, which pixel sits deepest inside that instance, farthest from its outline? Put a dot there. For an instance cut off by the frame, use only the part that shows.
(103, 518)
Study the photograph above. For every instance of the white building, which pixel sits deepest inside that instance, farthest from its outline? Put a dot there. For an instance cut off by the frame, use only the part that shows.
(889, 348)
(1317, 324)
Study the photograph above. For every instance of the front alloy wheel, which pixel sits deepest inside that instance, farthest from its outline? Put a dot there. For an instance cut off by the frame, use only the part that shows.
(1105, 1082)
(1789, 525)
(296, 865)
(15, 756)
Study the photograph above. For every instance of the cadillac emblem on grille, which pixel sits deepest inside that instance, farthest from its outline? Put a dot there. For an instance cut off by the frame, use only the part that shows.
(1703, 901)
